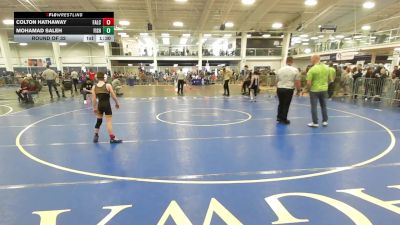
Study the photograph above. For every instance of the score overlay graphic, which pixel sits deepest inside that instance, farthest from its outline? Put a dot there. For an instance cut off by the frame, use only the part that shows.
(64, 26)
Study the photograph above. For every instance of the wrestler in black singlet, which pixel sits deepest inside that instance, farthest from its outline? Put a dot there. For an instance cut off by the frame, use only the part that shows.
(104, 106)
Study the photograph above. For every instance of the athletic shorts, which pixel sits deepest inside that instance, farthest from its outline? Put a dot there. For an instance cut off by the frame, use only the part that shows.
(104, 110)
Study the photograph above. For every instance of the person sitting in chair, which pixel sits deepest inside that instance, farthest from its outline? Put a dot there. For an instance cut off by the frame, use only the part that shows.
(22, 92)
(86, 89)
(66, 85)
(117, 86)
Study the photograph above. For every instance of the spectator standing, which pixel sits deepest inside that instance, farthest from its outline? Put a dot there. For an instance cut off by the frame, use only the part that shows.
(395, 72)
(246, 80)
(317, 81)
(254, 84)
(332, 77)
(75, 79)
(227, 75)
(357, 74)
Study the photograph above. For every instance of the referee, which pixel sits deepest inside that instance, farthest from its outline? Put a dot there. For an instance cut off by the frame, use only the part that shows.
(50, 76)
(227, 75)
(287, 77)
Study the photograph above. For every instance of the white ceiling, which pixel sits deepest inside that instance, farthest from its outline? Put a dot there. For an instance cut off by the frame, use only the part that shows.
(208, 15)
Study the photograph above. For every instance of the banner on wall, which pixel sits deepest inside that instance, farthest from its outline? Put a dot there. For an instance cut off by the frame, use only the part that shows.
(325, 58)
(38, 62)
(346, 56)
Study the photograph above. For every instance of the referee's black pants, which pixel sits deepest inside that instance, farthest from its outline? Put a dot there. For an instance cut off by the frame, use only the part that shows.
(285, 98)
(181, 83)
(226, 88)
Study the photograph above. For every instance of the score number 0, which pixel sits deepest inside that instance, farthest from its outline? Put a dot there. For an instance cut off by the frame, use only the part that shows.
(108, 21)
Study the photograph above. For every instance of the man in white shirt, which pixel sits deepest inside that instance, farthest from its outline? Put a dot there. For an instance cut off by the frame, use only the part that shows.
(181, 81)
(75, 80)
(288, 77)
(51, 76)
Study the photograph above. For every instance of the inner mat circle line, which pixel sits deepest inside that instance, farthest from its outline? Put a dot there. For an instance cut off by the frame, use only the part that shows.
(209, 182)
(249, 117)
(10, 109)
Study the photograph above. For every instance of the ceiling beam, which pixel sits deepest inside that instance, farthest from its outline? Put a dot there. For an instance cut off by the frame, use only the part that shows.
(204, 14)
(228, 11)
(380, 23)
(87, 5)
(253, 17)
(323, 10)
(362, 17)
(29, 5)
(150, 12)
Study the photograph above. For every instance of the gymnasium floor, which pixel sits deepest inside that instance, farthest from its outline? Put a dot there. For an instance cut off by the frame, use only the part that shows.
(197, 160)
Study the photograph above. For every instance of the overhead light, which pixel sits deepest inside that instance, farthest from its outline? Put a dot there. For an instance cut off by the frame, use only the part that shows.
(164, 35)
(277, 25)
(307, 50)
(266, 35)
(227, 35)
(332, 38)
(369, 4)
(366, 27)
(121, 33)
(124, 23)
(229, 24)
(339, 36)
(207, 35)
(185, 35)
(8, 22)
(248, 2)
(62, 44)
(311, 2)
(248, 35)
(144, 34)
(358, 36)
(397, 49)
(304, 36)
(165, 41)
(314, 38)
(321, 36)
(373, 37)
(181, 0)
(178, 24)
(347, 38)
(305, 40)
(23, 44)
(101, 44)
(305, 44)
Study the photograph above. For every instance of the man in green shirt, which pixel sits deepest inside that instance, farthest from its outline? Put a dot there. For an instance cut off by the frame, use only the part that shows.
(318, 78)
